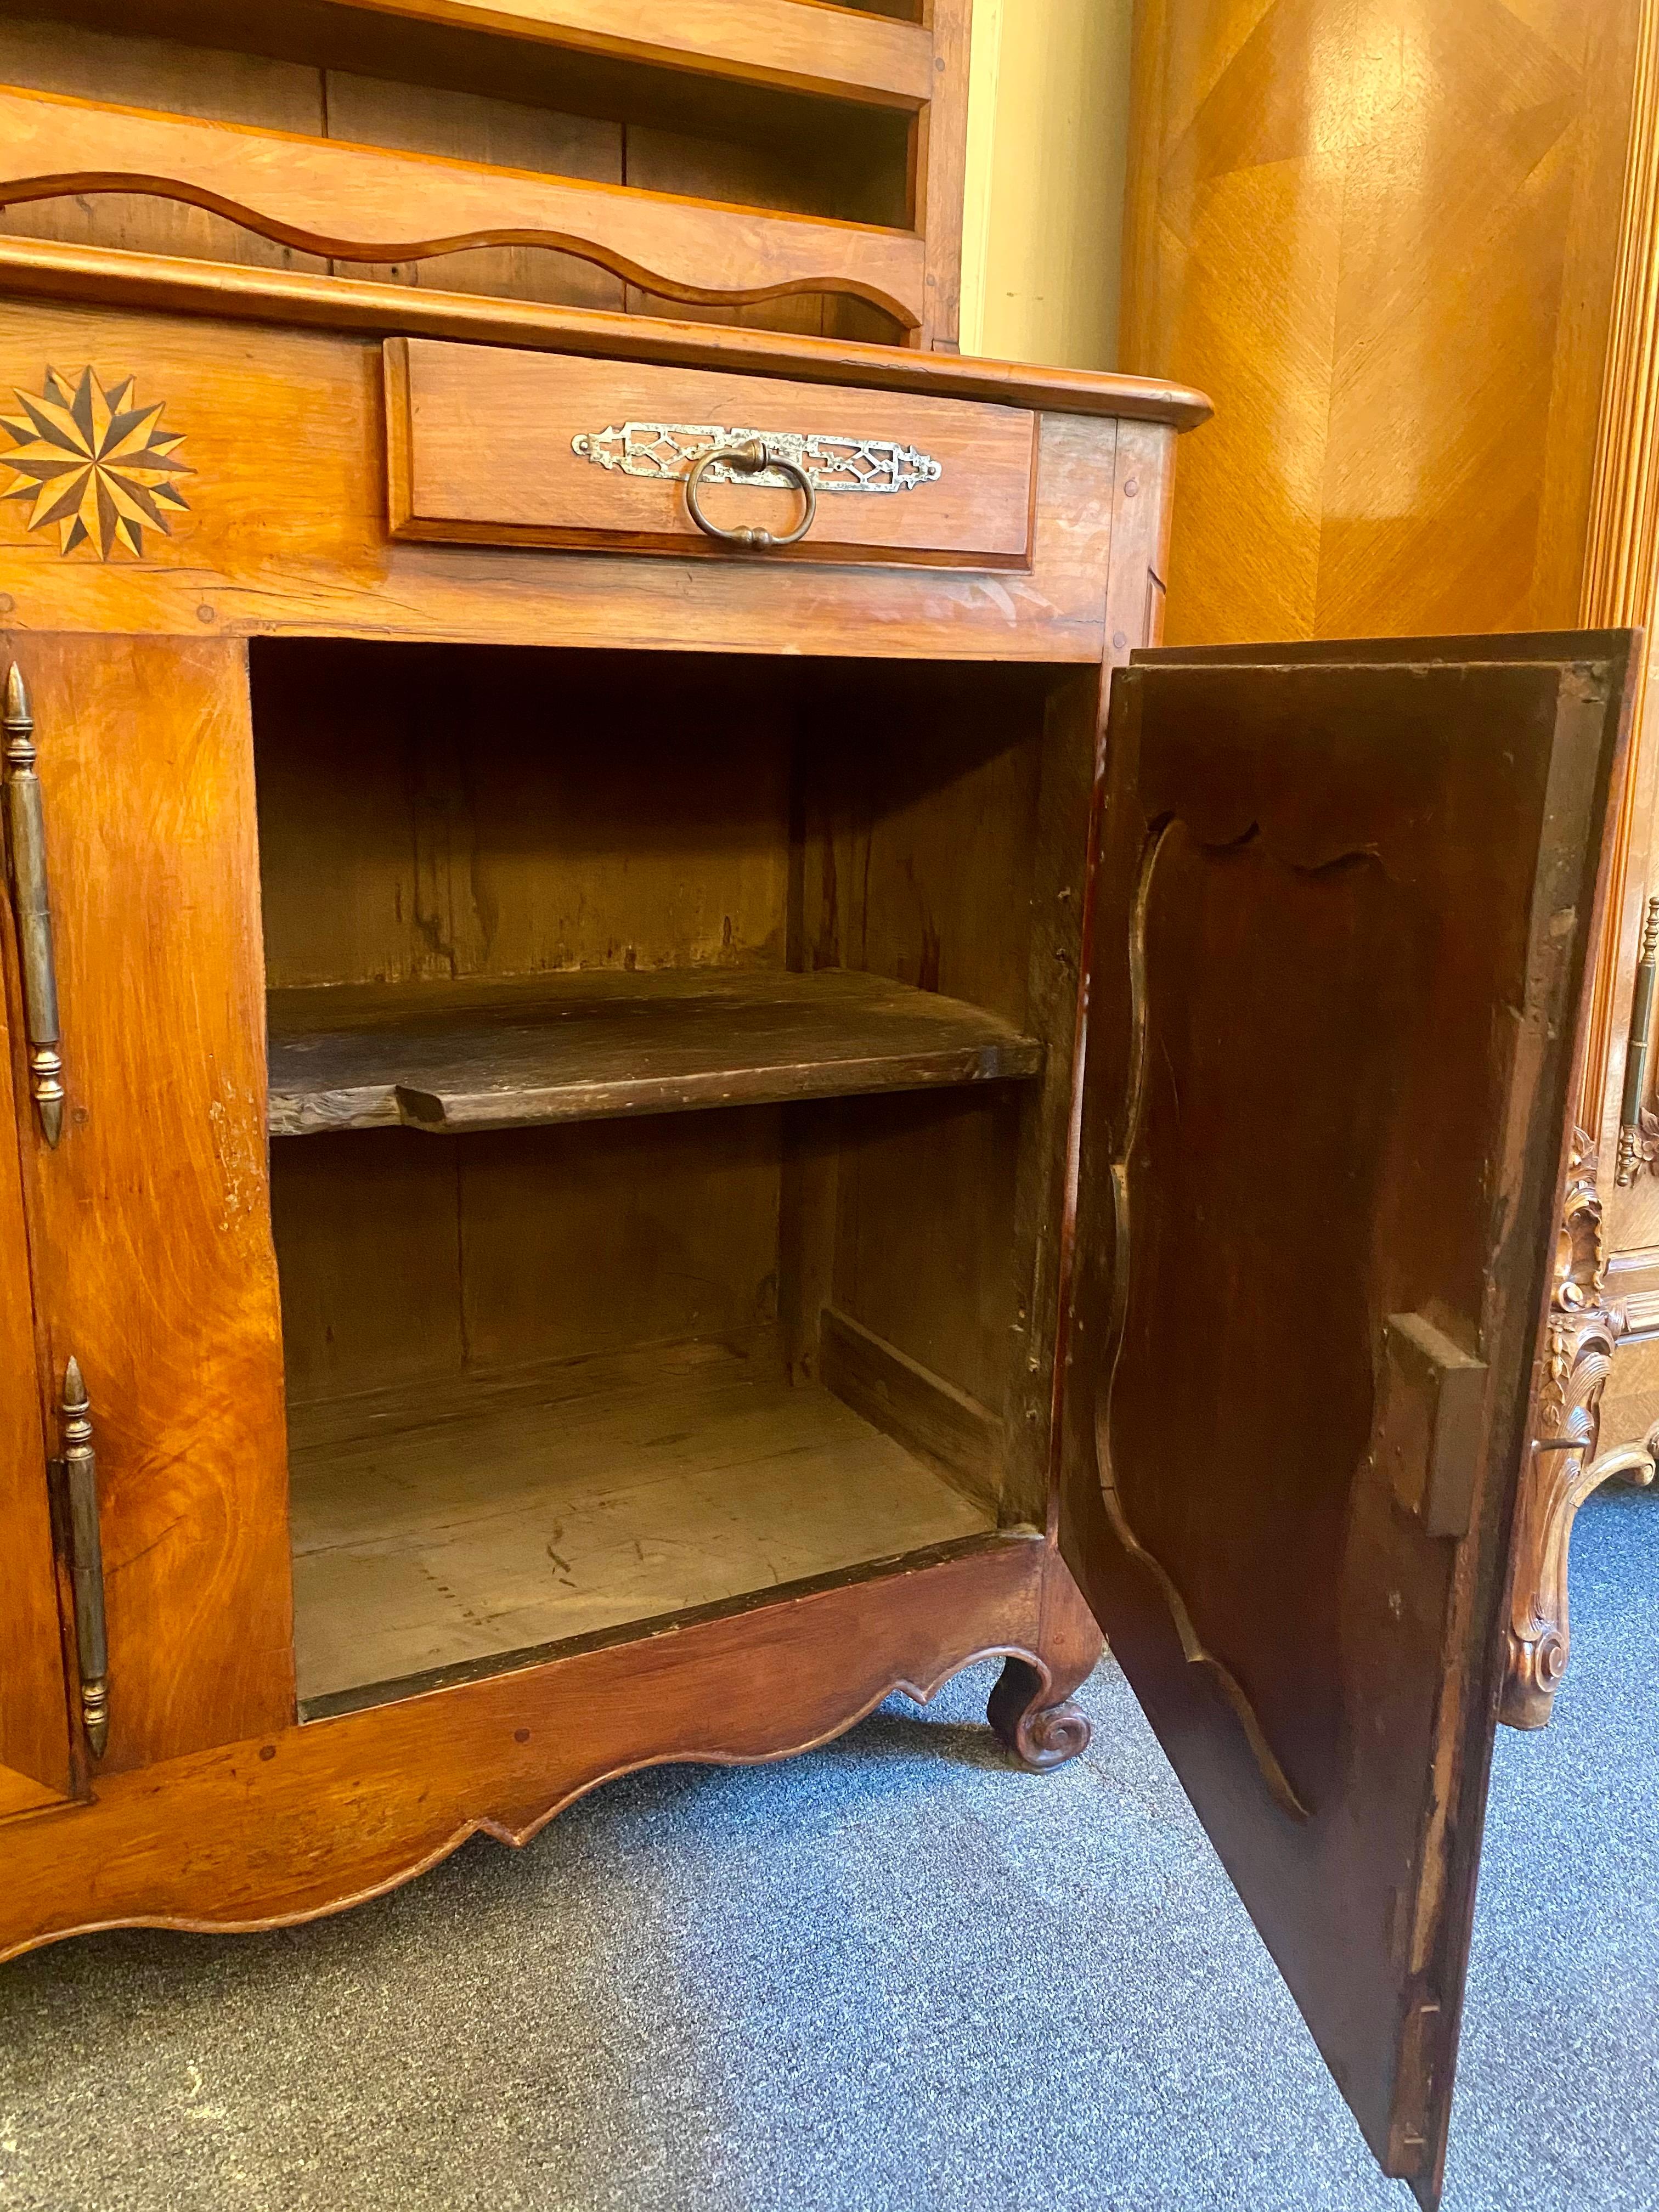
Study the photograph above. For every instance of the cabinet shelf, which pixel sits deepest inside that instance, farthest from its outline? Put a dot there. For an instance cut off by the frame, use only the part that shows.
(454, 1057)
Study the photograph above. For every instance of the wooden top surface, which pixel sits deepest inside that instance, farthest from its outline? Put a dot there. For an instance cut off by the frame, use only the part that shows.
(109, 276)
(452, 1057)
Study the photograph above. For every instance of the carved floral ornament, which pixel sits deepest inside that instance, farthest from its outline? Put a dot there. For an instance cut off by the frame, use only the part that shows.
(94, 463)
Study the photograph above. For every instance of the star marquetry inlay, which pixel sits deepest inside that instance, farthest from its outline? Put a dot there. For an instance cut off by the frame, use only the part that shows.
(94, 463)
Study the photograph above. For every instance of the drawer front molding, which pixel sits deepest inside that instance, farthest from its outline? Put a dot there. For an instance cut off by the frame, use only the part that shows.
(487, 446)
(829, 461)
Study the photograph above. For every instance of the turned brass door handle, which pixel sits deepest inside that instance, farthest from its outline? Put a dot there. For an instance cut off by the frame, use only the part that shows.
(80, 1466)
(750, 461)
(25, 840)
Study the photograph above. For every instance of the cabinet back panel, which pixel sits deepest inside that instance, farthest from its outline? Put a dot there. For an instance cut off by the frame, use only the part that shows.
(434, 813)
(924, 1233)
(919, 821)
(406, 1258)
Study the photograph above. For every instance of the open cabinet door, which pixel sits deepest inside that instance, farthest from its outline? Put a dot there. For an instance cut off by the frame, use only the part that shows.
(1338, 951)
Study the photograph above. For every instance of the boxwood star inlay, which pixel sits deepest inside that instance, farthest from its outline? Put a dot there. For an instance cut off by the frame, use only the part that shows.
(94, 463)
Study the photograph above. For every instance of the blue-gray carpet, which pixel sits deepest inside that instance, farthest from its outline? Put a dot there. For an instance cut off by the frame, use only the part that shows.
(894, 1974)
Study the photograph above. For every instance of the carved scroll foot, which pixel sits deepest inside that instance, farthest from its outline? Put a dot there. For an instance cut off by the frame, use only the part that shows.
(1563, 1468)
(1541, 1640)
(1039, 1732)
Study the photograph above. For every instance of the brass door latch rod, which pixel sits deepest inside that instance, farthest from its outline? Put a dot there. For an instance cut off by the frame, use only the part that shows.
(79, 1469)
(26, 839)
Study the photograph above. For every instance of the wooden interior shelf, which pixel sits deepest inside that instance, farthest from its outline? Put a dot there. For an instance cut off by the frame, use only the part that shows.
(447, 1526)
(598, 1042)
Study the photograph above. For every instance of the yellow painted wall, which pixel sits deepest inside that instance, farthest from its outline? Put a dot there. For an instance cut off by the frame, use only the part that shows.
(1047, 138)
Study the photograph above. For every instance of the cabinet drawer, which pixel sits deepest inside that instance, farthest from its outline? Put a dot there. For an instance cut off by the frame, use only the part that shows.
(496, 447)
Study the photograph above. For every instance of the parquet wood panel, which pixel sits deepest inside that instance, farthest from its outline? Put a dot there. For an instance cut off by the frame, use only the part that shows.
(1383, 237)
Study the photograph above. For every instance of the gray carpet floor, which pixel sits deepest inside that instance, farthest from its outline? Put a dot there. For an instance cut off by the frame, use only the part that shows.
(895, 1973)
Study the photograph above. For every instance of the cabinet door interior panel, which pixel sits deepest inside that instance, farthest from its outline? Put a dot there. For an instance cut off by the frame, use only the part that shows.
(150, 1221)
(1345, 901)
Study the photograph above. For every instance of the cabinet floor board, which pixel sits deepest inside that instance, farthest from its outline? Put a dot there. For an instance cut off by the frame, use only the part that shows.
(490, 1054)
(477, 1518)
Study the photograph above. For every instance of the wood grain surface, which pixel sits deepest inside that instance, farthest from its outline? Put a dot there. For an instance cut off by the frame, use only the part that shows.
(304, 1820)
(830, 51)
(61, 270)
(149, 1224)
(907, 1401)
(1344, 917)
(297, 439)
(369, 204)
(500, 814)
(940, 157)
(458, 1057)
(34, 1716)
(1384, 237)
(768, 104)
(514, 1246)
(483, 451)
(468, 1521)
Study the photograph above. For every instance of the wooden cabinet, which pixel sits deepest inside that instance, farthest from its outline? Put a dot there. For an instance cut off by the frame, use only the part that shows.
(637, 1136)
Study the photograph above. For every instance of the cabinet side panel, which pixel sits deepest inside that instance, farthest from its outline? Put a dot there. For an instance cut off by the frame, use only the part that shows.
(152, 1218)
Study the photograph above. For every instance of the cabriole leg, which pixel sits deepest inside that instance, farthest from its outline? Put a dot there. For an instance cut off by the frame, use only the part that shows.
(1031, 1708)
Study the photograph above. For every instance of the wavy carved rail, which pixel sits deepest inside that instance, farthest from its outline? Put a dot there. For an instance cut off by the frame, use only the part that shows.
(363, 204)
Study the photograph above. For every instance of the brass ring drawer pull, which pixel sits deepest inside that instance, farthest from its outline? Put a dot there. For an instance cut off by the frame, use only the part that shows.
(750, 461)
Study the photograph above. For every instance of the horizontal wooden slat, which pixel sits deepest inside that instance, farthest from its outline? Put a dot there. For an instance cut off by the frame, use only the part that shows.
(365, 204)
(485, 450)
(797, 43)
(47, 269)
(452, 1057)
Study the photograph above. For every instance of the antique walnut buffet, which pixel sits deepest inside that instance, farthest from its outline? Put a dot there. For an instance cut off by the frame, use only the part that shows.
(649, 1103)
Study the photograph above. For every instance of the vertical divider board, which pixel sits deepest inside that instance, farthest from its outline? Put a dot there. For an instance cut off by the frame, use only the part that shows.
(150, 1222)
(941, 167)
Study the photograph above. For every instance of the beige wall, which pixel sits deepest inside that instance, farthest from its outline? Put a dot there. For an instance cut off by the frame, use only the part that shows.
(1047, 130)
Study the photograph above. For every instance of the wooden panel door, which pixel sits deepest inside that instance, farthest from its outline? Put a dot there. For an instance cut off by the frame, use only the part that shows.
(34, 1742)
(150, 1220)
(1338, 945)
